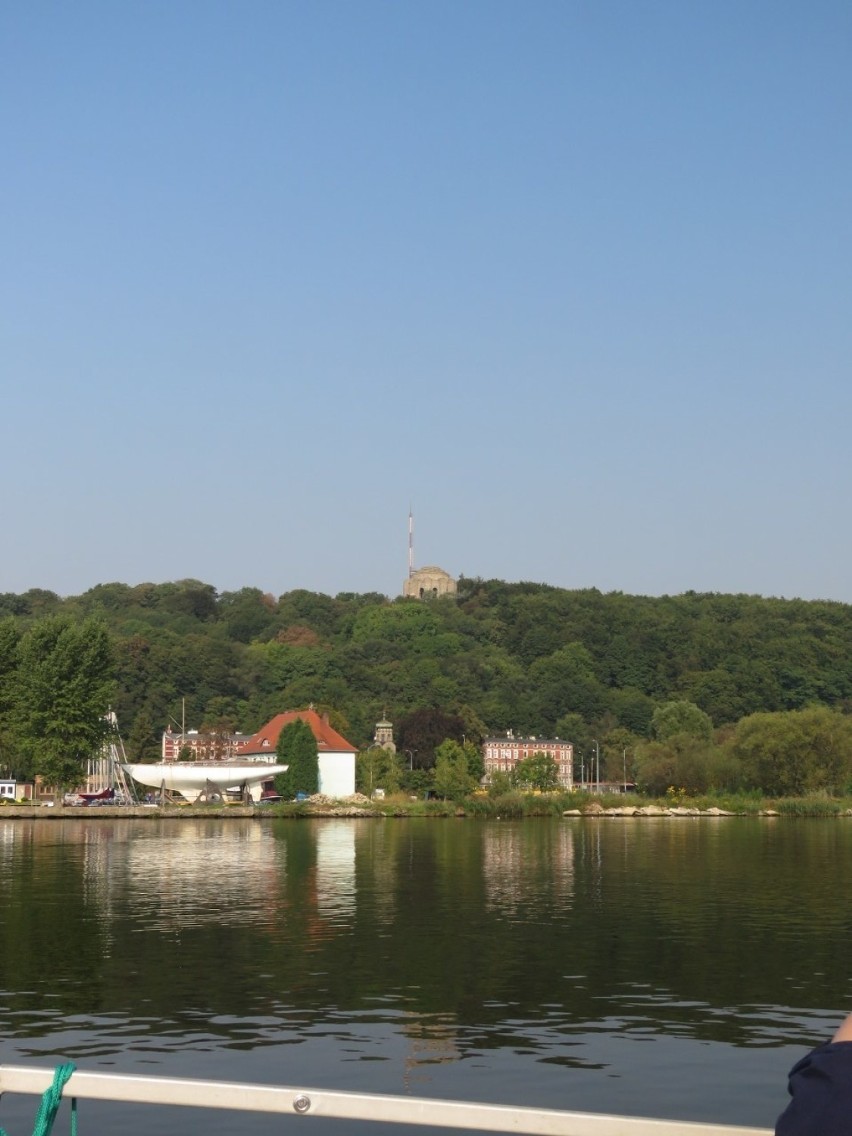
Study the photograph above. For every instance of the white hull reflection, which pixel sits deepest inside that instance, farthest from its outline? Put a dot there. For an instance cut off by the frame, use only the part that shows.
(194, 778)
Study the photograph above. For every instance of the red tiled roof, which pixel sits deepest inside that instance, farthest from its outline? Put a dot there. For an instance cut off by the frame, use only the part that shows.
(266, 738)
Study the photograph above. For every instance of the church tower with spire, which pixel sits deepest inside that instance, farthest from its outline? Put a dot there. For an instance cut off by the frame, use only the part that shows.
(383, 736)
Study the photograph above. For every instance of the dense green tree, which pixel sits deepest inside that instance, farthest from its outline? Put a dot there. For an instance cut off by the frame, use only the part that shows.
(277, 665)
(247, 614)
(192, 598)
(475, 729)
(143, 741)
(106, 598)
(297, 747)
(499, 783)
(319, 612)
(618, 747)
(475, 761)
(452, 777)
(10, 637)
(796, 752)
(40, 602)
(685, 762)
(527, 657)
(539, 771)
(719, 694)
(377, 768)
(504, 693)
(656, 768)
(406, 621)
(142, 680)
(12, 605)
(563, 683)
(64, 686)
(632, 709)
(680, 717)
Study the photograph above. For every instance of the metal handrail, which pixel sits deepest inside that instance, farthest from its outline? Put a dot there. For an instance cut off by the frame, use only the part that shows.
(374, 1107)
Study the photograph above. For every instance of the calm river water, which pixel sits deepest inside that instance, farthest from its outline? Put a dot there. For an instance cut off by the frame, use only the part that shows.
(671, 967)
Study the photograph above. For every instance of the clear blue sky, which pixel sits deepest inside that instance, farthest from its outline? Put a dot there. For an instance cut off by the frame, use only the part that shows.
(571, 278)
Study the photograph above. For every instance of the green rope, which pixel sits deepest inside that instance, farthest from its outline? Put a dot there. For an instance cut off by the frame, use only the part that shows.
(50, 1101)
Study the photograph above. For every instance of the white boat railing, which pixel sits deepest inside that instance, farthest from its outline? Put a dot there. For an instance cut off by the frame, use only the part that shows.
(371, 1107)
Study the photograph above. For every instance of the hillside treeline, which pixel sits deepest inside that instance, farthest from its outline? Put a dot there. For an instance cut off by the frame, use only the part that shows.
(527, 657)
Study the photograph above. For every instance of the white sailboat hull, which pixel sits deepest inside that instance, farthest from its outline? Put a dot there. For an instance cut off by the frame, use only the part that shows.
(187, 777)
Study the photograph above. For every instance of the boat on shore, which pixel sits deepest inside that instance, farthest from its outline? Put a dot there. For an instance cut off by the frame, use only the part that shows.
(198, 779)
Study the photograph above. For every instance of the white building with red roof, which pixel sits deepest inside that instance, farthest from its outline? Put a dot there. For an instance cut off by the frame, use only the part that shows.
(336, 755)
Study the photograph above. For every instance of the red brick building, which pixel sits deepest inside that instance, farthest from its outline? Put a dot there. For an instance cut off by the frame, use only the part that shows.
(202, 747)
(502, 754)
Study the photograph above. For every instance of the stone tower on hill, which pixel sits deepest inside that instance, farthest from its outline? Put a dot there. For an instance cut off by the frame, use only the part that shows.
(426, 582)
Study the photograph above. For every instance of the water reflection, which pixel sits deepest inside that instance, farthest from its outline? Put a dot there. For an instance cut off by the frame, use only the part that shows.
(336, 871)
(598, 964)
(192, 875)
(523, 865)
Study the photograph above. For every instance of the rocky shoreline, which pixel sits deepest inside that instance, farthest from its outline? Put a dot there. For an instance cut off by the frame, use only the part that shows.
(596, 809)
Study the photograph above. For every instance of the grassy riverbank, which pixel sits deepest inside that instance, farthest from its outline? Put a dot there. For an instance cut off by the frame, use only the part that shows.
(555, 804)
(507, 806)
(518, 805)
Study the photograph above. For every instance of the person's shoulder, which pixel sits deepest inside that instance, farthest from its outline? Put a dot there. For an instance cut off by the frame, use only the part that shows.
(830, 1053)
(820, 1085)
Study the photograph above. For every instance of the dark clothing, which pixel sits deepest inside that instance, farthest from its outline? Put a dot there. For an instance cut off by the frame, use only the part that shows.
(821, 1087)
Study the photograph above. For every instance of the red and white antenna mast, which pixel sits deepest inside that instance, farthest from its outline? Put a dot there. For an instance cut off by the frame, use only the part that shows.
(410, 542)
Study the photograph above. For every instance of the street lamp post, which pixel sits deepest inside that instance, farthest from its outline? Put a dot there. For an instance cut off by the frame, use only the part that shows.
(597, 766)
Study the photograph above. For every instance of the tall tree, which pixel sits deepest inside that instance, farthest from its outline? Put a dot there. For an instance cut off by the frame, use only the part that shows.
(64, 685)
(452, 778)
(475, 761)
(143, 741)
(9, 640)
(297, 747)
(377, 768)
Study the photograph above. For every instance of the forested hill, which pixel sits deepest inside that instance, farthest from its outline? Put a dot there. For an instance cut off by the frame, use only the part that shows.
(529, 657)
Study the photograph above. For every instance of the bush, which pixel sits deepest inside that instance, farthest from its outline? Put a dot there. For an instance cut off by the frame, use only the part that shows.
(506, 805)
(816, 805)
